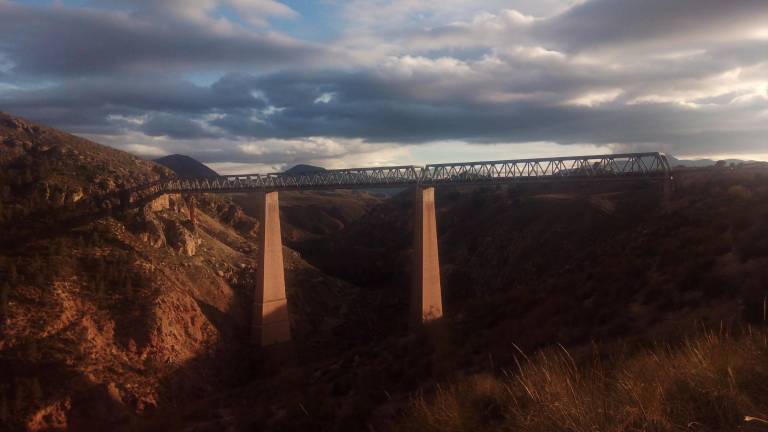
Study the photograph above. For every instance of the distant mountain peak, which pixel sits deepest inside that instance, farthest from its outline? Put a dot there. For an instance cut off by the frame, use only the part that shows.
(185, 166)
(303, 168)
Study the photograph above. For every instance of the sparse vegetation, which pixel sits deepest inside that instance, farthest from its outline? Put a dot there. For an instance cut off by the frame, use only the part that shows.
(712, 383)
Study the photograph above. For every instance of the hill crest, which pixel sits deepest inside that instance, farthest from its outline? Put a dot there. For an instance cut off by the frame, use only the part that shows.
(185, 166)
(303, 168)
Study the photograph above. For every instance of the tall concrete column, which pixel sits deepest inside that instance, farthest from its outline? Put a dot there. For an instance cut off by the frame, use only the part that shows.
(189, 200)
(271, 322)
(426, 294)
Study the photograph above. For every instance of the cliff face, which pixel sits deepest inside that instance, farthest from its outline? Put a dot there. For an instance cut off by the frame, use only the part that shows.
(123, 314)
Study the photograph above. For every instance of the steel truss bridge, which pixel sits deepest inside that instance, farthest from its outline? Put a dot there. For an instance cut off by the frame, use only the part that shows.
(271, 320)
(627, 166)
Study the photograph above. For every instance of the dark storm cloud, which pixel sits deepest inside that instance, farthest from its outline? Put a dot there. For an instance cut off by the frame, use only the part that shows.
(142, 93)
(365, 106)
(65, 41)
(173, 126)
(86, 105)
(629, 22)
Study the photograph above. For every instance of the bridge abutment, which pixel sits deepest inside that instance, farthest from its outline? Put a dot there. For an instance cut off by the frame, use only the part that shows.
(426, 293)
(271, 321)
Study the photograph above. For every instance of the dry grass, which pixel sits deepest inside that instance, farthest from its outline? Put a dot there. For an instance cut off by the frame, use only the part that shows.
(715, 382)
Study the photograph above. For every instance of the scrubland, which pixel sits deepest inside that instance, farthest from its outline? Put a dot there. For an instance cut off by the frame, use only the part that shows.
(716, 381)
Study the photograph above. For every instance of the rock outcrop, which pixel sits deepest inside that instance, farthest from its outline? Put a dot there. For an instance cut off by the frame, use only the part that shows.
(151, 229)
(180, 238)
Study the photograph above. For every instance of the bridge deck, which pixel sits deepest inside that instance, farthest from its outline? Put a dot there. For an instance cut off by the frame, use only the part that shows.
(628, 166)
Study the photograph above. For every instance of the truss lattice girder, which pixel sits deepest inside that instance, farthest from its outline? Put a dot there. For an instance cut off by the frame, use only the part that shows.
(651, 166)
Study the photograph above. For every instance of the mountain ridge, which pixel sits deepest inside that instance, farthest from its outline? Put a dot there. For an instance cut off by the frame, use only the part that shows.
(701, 163)
(303, 169)
(186, 166)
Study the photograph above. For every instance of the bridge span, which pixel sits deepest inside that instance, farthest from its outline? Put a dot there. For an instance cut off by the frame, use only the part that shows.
(628, 166)
(271, 322)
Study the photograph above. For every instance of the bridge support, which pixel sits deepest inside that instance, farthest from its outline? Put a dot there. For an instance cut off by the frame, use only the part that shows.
(189, 200)
(426, 294)
(271, 322)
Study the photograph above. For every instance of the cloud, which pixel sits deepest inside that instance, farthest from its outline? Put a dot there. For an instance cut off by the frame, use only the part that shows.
(623, 24)
(85, 105)
(687, 76)
(74, 42)
(201, 10)
(659, 123)
(146, 150)
(255, 10)
(169, 125)
(238, 154)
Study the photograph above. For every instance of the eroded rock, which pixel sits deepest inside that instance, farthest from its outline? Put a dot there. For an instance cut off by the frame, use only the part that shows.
(180, 238)
(74, 195)
(159, 204)
(152, 231)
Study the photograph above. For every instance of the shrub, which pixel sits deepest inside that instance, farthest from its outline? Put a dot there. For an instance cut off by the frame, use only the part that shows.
(710, 383)
(740, 192)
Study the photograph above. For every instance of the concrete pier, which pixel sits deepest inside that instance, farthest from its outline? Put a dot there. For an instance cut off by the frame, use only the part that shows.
(271, 321)
(426, 294)
(189, 200)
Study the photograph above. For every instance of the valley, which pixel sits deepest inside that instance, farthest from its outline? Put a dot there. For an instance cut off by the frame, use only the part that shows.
(139, 320)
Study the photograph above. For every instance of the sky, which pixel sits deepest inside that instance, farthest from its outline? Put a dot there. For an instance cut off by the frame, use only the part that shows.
(260, 85)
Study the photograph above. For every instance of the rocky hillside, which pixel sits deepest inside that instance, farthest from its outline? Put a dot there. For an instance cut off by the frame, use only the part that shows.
(315, 215)
(125, 314)
(43, 168)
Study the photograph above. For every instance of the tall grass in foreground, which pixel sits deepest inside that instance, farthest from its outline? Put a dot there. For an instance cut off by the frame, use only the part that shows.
(715, 382)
